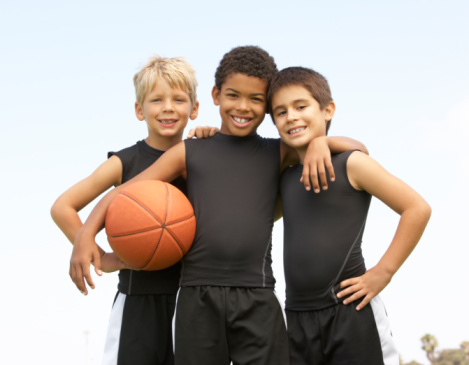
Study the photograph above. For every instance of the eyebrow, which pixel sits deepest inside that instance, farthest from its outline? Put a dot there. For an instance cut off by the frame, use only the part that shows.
(278, 107)
(236, 91)
(293, 102)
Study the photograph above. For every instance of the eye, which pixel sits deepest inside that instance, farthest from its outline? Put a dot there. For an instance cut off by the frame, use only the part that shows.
(301, 107)
(257, 99)
(156, 100)
(231, 95)
(280, 113)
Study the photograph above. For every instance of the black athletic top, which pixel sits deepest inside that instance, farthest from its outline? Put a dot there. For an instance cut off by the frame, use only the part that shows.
(232, 183)
(135, 159)
(322, 236)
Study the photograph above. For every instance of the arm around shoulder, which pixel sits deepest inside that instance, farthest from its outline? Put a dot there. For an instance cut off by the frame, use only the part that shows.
(342, 144)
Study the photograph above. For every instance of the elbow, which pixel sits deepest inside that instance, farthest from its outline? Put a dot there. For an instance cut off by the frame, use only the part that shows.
(427, 211)
(56, 210)
(364, 149)
(424, 211)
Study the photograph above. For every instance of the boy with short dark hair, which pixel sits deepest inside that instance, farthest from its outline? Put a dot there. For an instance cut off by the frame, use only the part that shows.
(227, 310)
(323, 262)
(141, 320)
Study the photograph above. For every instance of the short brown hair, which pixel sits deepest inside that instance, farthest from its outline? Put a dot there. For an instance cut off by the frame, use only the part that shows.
(313, 81)
(248, 60)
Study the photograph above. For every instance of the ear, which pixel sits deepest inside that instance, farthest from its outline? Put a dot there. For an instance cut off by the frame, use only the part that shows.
(329, 111)
(216, 95)
(195, 111)
(139, 112)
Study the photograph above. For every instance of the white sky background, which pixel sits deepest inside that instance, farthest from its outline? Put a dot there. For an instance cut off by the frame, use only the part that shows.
(400, 78)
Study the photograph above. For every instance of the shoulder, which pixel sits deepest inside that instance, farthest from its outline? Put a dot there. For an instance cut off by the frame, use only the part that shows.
(364, 172)
(128, 151)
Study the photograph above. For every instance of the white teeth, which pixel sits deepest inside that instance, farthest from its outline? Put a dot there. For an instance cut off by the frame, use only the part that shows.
(241, 120)
(167, 121)
(296, 130)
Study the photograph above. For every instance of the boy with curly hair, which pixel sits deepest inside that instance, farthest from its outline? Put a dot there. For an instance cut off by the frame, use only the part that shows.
(227, 309)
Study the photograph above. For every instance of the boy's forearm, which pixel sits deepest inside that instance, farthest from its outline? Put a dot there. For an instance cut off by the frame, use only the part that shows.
(67, 219)
(95, 221)
(69, 222)
(409, 231)
(342, 144)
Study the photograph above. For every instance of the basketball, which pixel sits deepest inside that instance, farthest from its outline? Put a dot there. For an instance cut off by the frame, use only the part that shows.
(150, 225)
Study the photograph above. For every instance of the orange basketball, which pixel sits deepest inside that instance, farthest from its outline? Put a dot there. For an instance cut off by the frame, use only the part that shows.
(150, 225)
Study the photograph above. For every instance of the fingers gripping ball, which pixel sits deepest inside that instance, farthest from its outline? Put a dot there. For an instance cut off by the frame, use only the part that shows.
(150, 225)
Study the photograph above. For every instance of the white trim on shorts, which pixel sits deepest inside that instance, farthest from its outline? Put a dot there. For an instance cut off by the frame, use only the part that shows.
(111, 346)
(390, 353)
(174, 321)
(282, 308)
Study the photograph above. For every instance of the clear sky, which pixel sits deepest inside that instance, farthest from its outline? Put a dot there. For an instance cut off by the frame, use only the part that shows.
(400, 78)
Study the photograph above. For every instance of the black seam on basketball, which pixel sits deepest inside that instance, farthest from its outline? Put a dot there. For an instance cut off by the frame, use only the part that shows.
(156, 247)
(167, 204)
(167, 210)
(167, 230)
(143, 206)
(151, 214)
(137, 232)
(163, 228)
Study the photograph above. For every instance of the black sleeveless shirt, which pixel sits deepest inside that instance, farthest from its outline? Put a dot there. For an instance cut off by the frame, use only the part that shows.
(232, 183)
(322, 236)
(135, 159)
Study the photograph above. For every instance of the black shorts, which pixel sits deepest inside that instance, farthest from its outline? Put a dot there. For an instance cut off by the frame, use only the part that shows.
(140, 330)
(219, 325)
(341, 335)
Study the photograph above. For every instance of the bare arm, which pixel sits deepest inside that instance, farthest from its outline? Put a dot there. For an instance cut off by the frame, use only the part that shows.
(65, 210)
(318, 159)
(366, 174)
(169, 166)
(342, 144)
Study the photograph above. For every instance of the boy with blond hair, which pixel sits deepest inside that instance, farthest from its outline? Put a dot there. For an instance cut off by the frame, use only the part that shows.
(328, 288)
(141, 319)
(227, 310)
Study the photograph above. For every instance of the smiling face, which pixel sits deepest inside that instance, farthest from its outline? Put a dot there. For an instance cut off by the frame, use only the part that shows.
(166, 111)
(242, 101)
(299, 117)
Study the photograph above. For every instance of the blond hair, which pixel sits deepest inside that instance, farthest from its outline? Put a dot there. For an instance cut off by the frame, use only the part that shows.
(177, 72)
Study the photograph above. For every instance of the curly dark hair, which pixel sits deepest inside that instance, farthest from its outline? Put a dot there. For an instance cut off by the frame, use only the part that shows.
(248, 60)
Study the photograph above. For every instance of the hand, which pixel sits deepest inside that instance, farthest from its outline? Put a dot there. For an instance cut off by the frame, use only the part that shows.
(316, 161)
(110, 263)
(368, 286)
(202, 132)
(85, 251)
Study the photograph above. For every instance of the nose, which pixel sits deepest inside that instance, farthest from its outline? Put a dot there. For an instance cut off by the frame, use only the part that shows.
(243, 104)
(167, 105)
(291, 115)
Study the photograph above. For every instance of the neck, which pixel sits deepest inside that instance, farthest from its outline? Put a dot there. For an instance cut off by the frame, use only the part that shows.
(163, 143)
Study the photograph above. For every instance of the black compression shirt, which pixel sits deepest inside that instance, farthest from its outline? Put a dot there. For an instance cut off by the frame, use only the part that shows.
(135, 159)
(232, 183)
(322, 236)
